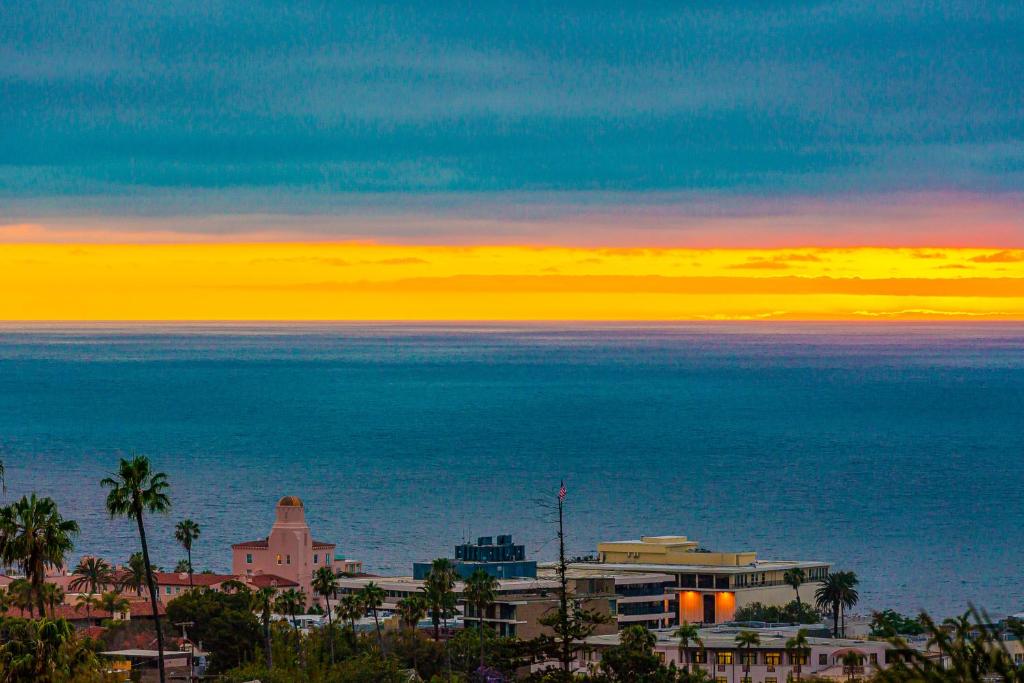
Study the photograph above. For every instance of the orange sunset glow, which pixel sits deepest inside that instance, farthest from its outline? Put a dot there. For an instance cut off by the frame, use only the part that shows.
(362, 281)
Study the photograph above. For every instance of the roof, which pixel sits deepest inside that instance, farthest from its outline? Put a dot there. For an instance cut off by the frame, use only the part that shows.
(322, 545)
(181, 579)
(290, 501)
(695, 568)
(143, 653)
(252, 544)
(270, 581)
(137, 608)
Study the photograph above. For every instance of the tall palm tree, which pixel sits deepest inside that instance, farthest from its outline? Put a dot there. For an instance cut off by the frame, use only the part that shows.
(349, 609)
(114, 602)
(439, 592)
(372, 597)
(848, 596)
(798, 650)
(87, 601)
(687, 633)
(325, 584)
(411, 610)
(828, 598)
(92, 575)
(479, 593)
(185, 533)
(794, 578)
(261, 603)
(745, 640)
(135, 490)
(34, 536)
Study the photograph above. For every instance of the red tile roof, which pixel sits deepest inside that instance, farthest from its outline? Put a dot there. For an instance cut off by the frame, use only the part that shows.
(251, 544)
(181, 579)
(137, 608)
(322, 545)
(270, 581)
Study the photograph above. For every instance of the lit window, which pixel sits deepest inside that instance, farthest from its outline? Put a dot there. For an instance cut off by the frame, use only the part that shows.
(279, 558)
(773, 658)
(723, 658)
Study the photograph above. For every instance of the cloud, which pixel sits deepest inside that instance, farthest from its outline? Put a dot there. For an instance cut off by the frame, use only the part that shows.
(1005, 256)
(776, 262)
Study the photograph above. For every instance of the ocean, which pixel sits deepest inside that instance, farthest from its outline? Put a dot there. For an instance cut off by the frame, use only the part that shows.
(892, 450)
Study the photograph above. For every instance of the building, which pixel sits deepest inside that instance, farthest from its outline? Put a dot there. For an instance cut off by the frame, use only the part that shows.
(289, 551)
(502, 559)
(518, 606)
(709, 586)
(170, 585)
(839, 659)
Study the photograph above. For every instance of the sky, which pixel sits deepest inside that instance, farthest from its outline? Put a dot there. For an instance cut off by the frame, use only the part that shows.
(213, 128)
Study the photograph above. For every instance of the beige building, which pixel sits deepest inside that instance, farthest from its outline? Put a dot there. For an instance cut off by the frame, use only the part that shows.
(707, 587)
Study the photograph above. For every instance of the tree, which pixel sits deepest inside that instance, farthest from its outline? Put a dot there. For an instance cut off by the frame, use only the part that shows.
(439, 592)
(848, 594)
(291, 602)
(798, 650)
(260, 602)
(92, 575)
(52, 596)
(479, 593)
(222, 622)
(186, 532)
(45, 651)
(349, 609)
(889, 624)
(634, 659)
(372, 597)
(325, 584)
(792, 613)
(745, 640)
(133, 575)
(571, 630)
(135, 490)
(35, 537)
(794, 578)
(87, 601)
(828, 598)
(113, 602)
(411, 610)
(22, 596)
(687, 633)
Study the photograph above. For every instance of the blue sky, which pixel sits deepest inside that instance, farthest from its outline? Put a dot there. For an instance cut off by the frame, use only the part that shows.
(362, 112)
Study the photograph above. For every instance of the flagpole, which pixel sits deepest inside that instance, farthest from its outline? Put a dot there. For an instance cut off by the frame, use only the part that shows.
(563, 595)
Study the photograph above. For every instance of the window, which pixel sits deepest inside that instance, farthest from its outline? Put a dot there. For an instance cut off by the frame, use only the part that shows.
(287, 559)
(773, 658)
(873, 658)
(167, 589)
(316, 559)
(771, 679)
(749, 658)
(798, 659)
(823, 660)
(279, 558)
(248, 558)
(721, 679)
(700, 657)
(723, 658)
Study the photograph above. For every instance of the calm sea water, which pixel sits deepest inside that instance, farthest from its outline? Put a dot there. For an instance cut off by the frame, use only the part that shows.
(895, 451)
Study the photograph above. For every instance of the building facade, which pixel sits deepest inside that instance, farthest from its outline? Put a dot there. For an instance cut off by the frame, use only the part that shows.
(708, 587)
(502, 559)
(289, 551)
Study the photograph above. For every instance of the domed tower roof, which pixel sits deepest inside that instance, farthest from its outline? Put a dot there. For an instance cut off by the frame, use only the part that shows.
(290, 501)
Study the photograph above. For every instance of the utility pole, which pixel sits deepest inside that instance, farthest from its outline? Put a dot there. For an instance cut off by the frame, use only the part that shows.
(191, 650)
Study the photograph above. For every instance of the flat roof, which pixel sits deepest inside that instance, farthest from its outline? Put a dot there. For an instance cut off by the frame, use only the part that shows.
(761, 565)
(717, 640)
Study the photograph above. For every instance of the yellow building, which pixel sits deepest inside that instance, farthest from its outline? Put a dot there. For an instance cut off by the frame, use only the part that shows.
(709, 586)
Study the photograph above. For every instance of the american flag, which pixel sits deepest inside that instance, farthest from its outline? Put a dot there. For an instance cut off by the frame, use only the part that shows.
(561, 493)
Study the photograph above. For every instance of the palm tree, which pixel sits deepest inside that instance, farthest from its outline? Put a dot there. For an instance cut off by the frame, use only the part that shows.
(411, 610)
(372, 597)
(92, 575)
(34, 536)
(828, 598)
(135, 490)
(439, 592)
(687, 633)
(746, 640)
(325, 584)
(21, 596)
(185, 533)
(350, 609)
(88, 601)
(794, 578)
(133, 575)
(113, 602)
(479, 593)
(798, 650)
(261, 603)
(52, 596)
(848, 595)
(290, 602)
